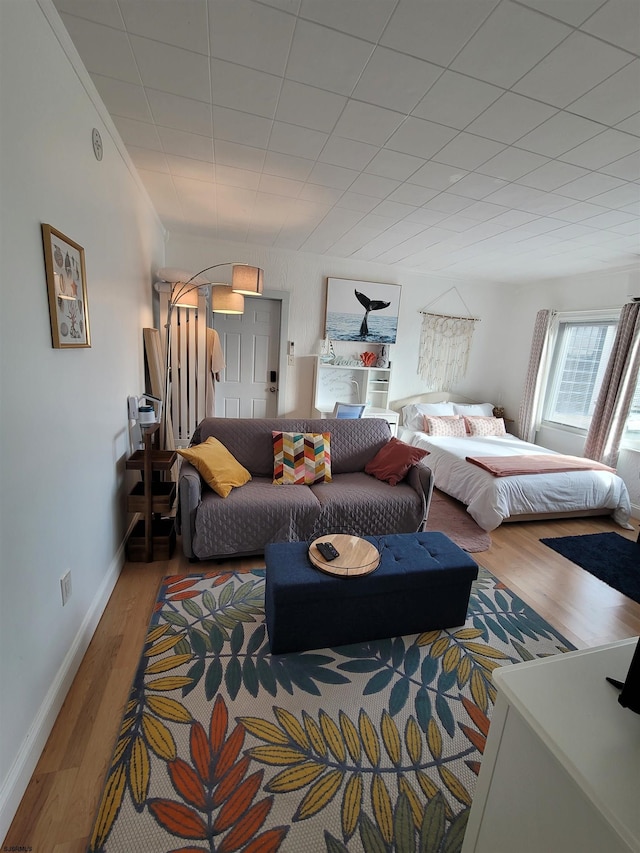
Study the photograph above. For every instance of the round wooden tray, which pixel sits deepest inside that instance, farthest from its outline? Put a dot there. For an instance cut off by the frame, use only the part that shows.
(357, 557)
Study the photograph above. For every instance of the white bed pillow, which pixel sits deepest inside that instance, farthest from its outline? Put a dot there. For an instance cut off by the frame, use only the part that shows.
(413, 413)
(484, 410)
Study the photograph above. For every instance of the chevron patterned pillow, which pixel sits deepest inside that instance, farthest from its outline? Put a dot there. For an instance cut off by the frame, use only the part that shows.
(301, 458)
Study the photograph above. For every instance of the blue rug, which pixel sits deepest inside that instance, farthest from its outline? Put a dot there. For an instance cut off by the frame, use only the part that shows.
(609, 556)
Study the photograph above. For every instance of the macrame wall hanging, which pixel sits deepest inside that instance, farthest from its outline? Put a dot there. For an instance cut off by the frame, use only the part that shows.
(445, 344)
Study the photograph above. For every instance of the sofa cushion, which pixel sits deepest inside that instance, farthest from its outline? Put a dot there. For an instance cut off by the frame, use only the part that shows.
(301, 458)
(217, 466)
(252, 516)
(358, 503)
(393, 461)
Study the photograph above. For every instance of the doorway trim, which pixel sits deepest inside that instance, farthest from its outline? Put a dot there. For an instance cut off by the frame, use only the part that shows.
(283, 296)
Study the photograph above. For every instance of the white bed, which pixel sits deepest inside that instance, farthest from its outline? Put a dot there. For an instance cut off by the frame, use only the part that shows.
(492, 500)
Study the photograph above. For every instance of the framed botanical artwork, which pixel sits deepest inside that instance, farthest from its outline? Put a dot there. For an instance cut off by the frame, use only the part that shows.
(362, 311)
(67, 287)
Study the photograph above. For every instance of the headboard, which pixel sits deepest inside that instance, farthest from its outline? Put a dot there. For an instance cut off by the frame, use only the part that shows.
(429, 397)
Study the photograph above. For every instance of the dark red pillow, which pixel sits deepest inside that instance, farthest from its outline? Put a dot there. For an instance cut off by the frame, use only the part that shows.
(392, 462)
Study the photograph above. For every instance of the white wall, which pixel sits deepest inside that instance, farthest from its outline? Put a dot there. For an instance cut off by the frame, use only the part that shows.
(304, 276)
(63, 419)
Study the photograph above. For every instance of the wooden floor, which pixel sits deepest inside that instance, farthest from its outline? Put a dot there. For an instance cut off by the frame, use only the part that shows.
(57, 811)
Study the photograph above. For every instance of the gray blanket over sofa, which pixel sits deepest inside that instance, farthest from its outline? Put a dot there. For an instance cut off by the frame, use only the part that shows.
(260, 512)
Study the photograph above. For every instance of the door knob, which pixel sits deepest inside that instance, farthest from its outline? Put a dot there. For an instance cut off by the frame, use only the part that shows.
(273, 389)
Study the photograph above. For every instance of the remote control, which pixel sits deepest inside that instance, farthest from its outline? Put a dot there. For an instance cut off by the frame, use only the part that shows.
(327, 550)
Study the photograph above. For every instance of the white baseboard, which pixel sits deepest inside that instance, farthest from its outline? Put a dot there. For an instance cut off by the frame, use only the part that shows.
(15, 782)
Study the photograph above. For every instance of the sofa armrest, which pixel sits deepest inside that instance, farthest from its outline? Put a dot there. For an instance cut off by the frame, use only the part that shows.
(189, 498)
(420, 477)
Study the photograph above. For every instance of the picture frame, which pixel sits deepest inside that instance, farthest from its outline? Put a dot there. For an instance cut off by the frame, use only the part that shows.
(67, 289)
(364, 311)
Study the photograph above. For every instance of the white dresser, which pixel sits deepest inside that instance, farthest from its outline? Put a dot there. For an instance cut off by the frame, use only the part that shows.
(561, 769)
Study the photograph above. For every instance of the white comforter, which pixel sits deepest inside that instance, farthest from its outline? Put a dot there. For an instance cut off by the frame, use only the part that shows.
(490, 500)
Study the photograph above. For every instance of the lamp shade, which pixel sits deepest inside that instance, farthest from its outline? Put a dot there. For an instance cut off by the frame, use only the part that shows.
(247, 280)
(188, 299)
(225, 301)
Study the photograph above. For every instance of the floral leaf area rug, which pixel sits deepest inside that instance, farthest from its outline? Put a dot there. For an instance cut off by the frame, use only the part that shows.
(372, 747)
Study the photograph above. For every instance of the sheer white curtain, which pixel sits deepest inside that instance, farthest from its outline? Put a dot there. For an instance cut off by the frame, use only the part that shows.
(617, 390)
(528, 412)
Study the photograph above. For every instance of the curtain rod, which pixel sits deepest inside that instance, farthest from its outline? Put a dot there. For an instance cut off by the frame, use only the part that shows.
(449, 316)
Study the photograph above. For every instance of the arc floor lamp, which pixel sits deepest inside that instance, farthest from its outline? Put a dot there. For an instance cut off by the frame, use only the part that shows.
(246, 280)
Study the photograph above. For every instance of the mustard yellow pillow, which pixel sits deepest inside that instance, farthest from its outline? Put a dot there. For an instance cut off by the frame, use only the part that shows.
(219, 468)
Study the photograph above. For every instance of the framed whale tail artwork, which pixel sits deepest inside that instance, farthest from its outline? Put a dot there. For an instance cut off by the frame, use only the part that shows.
(365, 311)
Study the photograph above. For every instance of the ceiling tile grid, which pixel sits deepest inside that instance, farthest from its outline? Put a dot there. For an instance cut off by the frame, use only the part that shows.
(493, 138)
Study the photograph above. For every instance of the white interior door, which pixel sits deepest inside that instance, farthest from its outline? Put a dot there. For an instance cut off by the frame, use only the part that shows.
(251, 346)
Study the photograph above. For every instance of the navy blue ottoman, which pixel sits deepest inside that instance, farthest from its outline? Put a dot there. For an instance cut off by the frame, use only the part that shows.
(423, 583)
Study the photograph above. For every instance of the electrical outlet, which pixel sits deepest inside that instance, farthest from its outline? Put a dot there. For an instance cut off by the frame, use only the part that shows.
(65, 587)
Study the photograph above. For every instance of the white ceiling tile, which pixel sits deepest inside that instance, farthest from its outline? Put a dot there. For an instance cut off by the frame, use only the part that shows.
(423, 216)
(614, 100)
(123, 99)
(455, 100)
(468, 152)
(320, 195)
(279, 185)
(412, 194)
(367, 123)
(185, 167)
(235, 126)
(511, 164)
(602, 149)
(627, 168)
(179, 112)
(347, 152)
(591, 184)
(250, 34)
(610, 219)
(447, 203)
(482, 211)
(566, 10)
(325, 58)
(183, 25)
(528, 199)
(394, 80)
(172, 69)
(510, 117)
(558, 134)
(435, 31)
(632, 229)
(100, 11)
(356, 201)
(437, 176)
(552, 175)
(103, 50)
(162, 192)
(373, 185)
(332, 227)
(300, 141)
(618, 21)
(138, 133)
(512, 218)
(285, 165)
(394, 164)
(242, 156)
(520, 38)
(244, 89)
(332, 176)
(476, 186)
(308, 106)
(620, 196)
(570, 70)
(394, 209)
(579, 212)
(186, 144)
(630, 125)
(458, 223)
(349, 18)
(420, 138)
(571, 232)
(145, 158)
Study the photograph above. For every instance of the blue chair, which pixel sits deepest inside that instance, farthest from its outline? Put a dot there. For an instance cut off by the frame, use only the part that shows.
(348, 410)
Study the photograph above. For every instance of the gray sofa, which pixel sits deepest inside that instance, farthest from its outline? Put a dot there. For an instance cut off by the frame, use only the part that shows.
(259, 512)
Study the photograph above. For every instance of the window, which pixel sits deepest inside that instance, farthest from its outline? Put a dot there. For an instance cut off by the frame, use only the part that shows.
(580, 347)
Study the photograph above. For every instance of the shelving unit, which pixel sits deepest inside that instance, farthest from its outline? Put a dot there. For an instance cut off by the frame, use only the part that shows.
(153, 537)
(353, 384)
